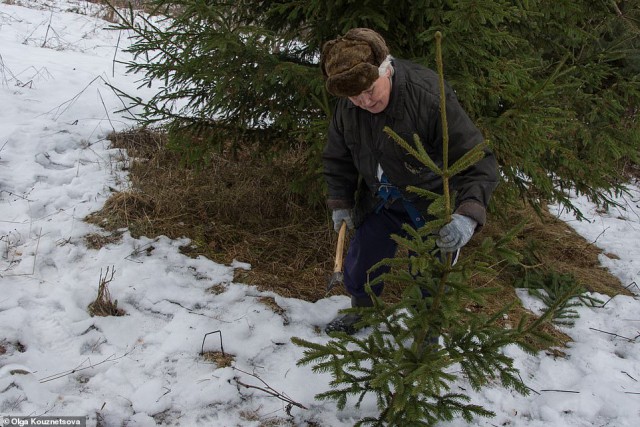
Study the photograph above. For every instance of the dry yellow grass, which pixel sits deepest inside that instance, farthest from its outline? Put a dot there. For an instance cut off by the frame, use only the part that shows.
(244, 210)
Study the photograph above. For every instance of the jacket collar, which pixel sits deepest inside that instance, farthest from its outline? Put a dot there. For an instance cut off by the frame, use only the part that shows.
(398, 92)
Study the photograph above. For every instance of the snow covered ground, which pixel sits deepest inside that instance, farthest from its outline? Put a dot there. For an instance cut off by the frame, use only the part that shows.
(144, 369)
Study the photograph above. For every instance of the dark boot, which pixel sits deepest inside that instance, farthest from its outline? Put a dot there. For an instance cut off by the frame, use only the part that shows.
(346, 322)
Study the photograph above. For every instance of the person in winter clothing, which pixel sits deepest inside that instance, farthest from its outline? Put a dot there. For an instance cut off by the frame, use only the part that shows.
(367, 172)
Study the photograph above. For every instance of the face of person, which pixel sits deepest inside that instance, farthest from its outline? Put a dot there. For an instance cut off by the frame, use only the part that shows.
(376, 98)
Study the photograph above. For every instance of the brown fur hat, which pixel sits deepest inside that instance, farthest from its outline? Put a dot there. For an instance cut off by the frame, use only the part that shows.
(350, 63)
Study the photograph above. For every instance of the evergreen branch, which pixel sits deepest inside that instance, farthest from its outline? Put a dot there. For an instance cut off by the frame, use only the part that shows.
(470, 158)
(423, 157)
(423, 192)
(140, 32)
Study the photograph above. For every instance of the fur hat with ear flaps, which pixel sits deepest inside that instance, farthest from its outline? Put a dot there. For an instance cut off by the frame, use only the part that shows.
(350, 63)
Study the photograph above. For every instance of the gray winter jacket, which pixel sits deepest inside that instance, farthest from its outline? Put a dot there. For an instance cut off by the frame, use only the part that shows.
(357, 143)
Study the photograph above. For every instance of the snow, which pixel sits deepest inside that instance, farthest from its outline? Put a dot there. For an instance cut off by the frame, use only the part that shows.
(145, 368)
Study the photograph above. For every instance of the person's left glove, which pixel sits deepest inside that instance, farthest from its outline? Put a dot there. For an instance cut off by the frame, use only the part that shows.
(456, 233)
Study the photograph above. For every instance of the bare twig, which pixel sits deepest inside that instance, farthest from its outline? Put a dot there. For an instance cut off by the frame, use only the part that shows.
(113, 63)
(205, 337)
(562, 391)
(35, 256)
(632, 284)
(11, 193)
(63, 374)
(522, 382)
(626, 287)
(48, 28)
(269, 390)
(103, 305)
(615, 335)
(138, 250)
(106, 110)
(607, 302)
(59, 110)
(597, 237)
(627, 374)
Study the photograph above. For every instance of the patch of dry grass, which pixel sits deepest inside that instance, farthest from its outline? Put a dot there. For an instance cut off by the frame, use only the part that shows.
(244, 209)
(221, 360)
(97, 240)
(552, 245)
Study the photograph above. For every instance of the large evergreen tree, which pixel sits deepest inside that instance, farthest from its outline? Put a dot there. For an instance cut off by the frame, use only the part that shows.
(553, 84)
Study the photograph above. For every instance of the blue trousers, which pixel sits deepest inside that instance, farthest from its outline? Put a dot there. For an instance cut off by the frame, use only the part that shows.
(371, 244)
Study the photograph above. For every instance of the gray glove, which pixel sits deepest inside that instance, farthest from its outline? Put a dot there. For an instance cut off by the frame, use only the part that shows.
(340, 215)
(457, 233)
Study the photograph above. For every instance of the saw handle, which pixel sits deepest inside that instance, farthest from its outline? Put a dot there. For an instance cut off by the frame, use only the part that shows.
(340, 247)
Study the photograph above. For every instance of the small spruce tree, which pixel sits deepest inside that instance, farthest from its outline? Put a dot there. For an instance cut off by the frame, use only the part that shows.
(407, 356)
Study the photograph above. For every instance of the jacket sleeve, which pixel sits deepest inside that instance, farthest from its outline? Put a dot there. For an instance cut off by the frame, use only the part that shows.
(473, 186)
(340, 171)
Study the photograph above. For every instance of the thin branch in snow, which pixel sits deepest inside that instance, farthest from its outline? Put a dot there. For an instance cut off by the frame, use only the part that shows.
(597, 237)
(106, 110)
(627, 374)
(44, 43)
(522, 382)
(113, 62)
(205, 337)
(63, 374)
(35, 256)
(269, 390)
(632, 284)
(615, 335)
(58, 113)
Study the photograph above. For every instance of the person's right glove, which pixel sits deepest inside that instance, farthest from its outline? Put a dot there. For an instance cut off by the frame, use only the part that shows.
(340, 215)
(456, 233)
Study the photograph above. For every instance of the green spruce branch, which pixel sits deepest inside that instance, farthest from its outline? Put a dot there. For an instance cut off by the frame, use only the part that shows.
(560, 293)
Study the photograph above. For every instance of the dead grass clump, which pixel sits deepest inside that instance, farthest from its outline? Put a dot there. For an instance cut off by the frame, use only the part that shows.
(125, 209)
(98, 241)
(221, 359)
(9, 348)
(271, 303)
(217, 289)
(103, 305)
(141, 144)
